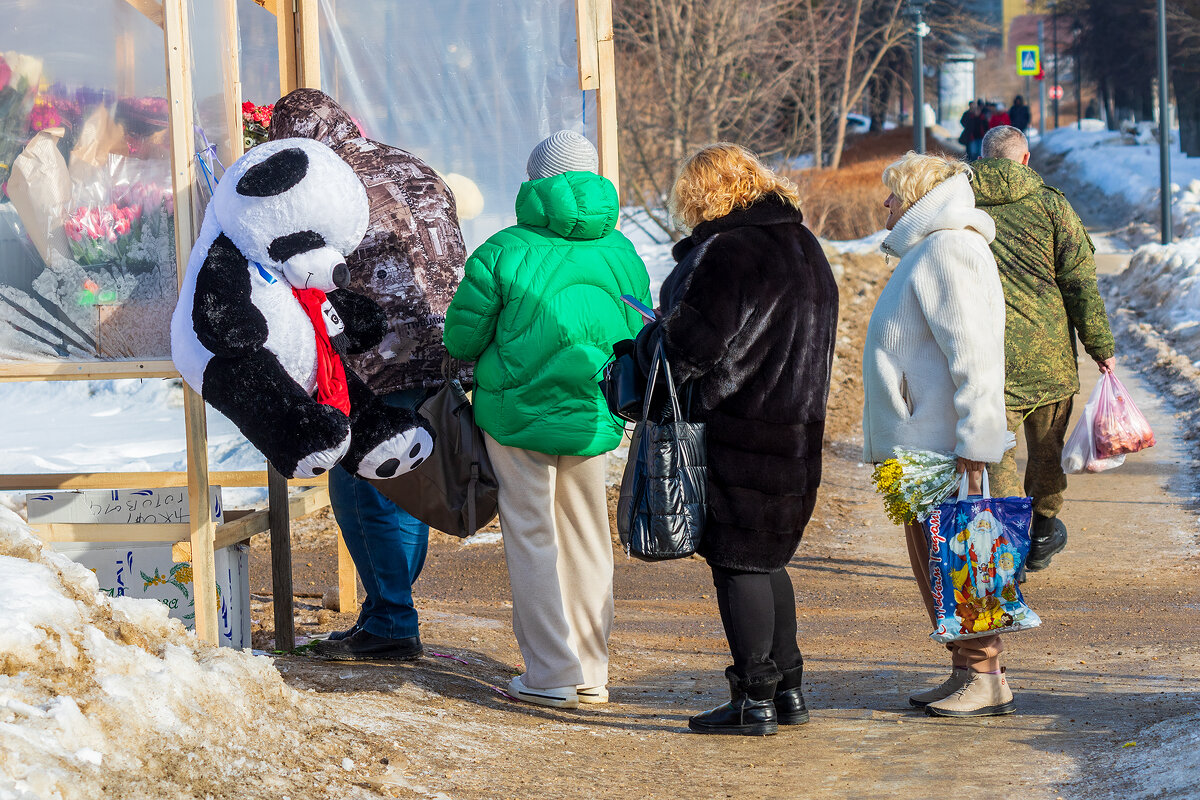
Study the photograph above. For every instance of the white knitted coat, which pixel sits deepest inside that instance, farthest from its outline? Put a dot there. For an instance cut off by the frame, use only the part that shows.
(933, 367)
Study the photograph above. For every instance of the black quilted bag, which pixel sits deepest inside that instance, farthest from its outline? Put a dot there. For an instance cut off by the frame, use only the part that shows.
(661, 510)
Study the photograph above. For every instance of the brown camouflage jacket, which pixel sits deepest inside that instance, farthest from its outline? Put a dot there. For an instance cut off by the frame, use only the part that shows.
(411, 260)
(1048, 273)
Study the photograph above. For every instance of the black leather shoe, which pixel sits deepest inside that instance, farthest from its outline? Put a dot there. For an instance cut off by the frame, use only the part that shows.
(364, 646)
(1049, 538)
(337, 636)
(743, 715)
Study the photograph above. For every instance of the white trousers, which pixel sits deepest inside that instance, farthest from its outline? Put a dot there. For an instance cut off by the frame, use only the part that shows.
(554, 518)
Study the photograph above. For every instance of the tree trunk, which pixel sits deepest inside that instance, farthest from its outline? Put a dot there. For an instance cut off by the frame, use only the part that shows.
(1187, 99)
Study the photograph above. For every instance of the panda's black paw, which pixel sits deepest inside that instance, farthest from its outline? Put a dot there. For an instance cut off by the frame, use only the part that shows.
(401, 453)
(328, 437)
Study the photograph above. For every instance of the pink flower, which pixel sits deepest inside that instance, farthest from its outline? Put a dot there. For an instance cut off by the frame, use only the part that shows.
(122, 226)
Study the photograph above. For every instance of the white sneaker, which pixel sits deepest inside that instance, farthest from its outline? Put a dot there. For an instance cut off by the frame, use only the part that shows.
(592, 694)
(562, 697)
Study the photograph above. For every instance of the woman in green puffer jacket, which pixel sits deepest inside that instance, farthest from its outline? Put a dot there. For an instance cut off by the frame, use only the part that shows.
(538, 311)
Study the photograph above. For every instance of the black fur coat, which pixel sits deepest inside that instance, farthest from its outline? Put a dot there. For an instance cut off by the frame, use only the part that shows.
(749, 318)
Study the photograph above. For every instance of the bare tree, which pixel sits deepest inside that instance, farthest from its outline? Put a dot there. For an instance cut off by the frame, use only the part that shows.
(699, 71)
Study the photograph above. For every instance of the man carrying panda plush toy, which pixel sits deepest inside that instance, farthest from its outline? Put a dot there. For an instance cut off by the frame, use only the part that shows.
(262, 318)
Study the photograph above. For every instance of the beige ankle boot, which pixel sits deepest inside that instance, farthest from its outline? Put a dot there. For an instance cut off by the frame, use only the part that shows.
(983, 695)
(948, 687)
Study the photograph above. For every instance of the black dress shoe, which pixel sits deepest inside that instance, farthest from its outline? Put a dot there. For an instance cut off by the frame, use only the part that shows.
(337, 636)
(364, 646)
(1048, 540)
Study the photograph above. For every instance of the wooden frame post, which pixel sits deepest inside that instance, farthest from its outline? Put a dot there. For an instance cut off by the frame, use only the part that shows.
(183, 176)
(299, 45)
(597, 70)
(231, 72)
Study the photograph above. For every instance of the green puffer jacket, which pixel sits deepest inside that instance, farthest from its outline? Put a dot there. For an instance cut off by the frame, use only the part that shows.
(1048, 273)
(539, 310)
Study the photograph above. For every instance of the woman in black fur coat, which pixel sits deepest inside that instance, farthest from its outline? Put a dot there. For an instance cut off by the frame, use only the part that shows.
(748, 318)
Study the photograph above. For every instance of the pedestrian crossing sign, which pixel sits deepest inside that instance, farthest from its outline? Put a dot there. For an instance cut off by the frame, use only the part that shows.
(1028, 59)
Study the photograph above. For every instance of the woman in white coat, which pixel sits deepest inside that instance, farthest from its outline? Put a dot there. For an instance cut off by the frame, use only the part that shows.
(933, 375)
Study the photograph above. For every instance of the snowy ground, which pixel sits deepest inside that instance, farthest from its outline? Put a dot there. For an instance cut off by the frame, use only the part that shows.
(112, 426)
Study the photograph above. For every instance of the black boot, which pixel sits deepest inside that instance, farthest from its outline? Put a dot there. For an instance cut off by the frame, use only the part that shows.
(750, 712)
(789, 699)
(1049, 538)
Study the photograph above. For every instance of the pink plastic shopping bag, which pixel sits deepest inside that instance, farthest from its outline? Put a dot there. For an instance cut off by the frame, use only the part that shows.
(1120, 426)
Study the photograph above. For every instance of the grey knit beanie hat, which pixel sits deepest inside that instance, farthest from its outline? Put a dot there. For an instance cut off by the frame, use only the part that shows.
(565, 151)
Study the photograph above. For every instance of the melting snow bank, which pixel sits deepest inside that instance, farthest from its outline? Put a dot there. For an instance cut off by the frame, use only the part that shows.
(108, 697)
(1163, 761)
(1161, 283)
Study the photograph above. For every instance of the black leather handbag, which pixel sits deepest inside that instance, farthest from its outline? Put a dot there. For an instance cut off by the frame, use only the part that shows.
(661, 509)
(623, 385)
(454, 490)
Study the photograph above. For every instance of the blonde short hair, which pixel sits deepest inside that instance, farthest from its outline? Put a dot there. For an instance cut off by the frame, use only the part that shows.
(721, 177)
(914, 175)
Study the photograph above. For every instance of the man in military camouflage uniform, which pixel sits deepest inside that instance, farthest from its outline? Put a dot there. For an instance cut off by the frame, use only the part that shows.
(1048, 273)
(410, 262)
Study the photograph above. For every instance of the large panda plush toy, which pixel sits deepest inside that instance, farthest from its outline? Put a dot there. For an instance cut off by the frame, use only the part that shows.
(262, 317)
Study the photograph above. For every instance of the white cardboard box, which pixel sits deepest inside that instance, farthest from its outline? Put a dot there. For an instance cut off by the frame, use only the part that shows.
(116, 506)
(146, 570)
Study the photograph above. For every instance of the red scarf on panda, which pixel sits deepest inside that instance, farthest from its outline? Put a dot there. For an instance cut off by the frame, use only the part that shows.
(332, 388)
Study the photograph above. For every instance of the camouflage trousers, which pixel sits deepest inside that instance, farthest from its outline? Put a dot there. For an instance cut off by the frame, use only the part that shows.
(1045, 429)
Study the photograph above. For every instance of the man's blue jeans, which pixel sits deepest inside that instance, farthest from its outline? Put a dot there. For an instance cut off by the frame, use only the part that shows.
(388, 544)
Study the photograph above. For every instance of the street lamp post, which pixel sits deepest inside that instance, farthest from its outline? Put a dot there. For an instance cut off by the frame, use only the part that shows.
(1164, 124)
(1054, 35)
(1075, 32)
(916, 9)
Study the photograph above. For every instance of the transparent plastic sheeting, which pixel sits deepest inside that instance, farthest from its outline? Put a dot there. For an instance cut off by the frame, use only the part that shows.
(87, 256)
(469, 86)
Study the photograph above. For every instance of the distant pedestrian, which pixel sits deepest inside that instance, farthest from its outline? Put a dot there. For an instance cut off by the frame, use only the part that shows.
(972, 132)
(1048, 271)
(1019, 114)
(413, 283)
(747, 320)
(998, 117)
(933, 376)
(539, 311)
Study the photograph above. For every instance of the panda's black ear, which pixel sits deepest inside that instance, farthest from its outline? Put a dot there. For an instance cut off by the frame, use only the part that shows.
(276, 175)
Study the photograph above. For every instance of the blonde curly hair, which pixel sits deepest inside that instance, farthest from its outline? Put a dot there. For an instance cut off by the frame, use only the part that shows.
(721, 177)
(913, 175)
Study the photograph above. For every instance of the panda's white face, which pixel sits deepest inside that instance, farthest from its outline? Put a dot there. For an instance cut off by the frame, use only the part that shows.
(294, 205)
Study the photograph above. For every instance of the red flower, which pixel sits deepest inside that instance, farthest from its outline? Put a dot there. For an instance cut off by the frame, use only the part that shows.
(247, 107)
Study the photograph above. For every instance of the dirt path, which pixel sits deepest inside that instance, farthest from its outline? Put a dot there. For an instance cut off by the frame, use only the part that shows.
(1119, 652)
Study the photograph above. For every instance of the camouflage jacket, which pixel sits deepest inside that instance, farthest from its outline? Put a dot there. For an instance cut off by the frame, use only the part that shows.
(1048, 273)
(411, 259)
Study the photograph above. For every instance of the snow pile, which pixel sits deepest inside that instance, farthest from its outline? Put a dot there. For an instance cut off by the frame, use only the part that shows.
(108, 697)
(1161, 283)
(1119, 164)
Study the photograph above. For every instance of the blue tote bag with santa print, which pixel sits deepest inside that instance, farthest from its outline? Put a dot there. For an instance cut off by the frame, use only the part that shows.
(977, 546)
